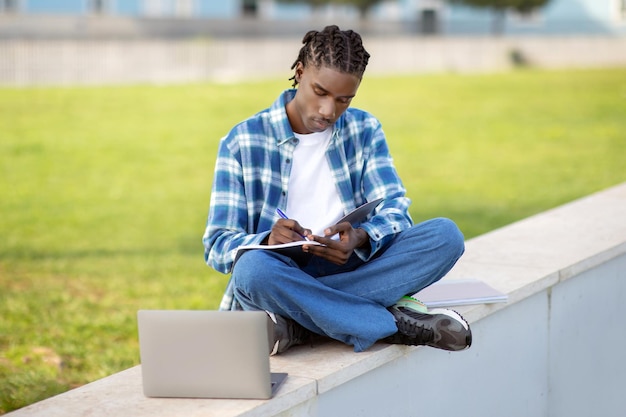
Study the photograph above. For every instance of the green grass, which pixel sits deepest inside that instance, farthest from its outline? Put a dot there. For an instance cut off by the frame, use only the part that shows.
(104, 193)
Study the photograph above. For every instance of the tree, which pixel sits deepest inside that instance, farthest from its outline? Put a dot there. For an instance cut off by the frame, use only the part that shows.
(363, 6)
(312, 3)
(500, 7)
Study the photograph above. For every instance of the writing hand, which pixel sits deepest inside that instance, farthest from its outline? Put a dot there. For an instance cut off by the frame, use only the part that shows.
(287, 230)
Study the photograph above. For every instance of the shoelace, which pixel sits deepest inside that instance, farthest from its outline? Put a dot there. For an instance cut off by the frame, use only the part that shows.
(410, 328)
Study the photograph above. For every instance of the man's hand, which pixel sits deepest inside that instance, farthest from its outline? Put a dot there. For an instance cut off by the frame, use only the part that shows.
(287, 230)
(338, 251)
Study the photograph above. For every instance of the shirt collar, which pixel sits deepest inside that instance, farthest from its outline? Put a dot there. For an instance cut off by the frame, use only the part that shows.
(280, 121)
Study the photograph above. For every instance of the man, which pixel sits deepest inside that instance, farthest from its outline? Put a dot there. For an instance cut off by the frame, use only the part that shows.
(314, 158)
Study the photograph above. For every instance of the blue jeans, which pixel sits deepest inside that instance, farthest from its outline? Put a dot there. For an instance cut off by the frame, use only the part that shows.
(349, 302)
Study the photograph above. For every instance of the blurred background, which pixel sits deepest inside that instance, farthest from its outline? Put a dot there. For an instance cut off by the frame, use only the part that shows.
(163, 41)
(166, 18)
(111, 112)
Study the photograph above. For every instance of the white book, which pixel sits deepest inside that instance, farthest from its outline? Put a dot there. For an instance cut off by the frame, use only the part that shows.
(291, 249)
(459, 292)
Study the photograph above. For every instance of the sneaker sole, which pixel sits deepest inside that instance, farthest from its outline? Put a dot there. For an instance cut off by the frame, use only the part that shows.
(450, 313)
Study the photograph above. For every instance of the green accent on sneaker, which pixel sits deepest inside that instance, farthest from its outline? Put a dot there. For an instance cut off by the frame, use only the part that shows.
(413, 304)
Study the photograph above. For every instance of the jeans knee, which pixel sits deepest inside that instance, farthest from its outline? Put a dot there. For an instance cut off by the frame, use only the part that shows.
(448, 235)
(248, 272)
(451, 235)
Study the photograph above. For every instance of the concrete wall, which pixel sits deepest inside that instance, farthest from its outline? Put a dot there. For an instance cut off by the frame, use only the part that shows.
(587, 335)
(557, 353)
(74, 62)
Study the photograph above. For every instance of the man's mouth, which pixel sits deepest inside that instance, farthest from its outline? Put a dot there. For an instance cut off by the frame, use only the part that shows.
(321, 123)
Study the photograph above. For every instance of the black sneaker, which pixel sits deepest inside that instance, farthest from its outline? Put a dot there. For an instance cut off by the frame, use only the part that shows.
(439, 328)
(287, 333)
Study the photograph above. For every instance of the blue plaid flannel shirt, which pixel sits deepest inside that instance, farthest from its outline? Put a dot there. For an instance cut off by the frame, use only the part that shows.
(251, 180)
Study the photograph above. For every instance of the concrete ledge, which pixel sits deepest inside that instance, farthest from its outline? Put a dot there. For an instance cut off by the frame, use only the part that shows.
(526, 358)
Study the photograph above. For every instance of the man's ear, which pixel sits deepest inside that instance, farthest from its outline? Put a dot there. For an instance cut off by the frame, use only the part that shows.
(299, 70)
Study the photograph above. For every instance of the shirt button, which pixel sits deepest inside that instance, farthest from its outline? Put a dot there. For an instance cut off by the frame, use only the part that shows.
(288, 161)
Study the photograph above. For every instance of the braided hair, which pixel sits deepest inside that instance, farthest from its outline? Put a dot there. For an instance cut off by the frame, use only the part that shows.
(341, 50)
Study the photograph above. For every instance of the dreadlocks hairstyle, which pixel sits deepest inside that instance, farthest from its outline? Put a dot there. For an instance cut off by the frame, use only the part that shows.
(334, 48)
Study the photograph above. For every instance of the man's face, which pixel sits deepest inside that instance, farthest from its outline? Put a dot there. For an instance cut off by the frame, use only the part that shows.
(323, 95)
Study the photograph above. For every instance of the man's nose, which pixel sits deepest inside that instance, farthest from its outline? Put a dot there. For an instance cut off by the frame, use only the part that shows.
(327, 109)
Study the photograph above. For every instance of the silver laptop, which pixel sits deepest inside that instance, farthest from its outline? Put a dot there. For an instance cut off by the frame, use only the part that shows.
(206, 354)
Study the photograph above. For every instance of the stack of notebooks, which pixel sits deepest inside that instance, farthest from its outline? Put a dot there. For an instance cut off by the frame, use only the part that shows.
(459, 292)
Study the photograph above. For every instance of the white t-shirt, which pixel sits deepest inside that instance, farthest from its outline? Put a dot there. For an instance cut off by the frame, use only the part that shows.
(313, 199)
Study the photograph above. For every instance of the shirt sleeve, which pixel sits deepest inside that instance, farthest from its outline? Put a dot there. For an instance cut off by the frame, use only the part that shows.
(380, 179)
(228, 225)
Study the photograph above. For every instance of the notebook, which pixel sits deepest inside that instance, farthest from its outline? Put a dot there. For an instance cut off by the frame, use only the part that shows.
(459, 292)
(206, 354)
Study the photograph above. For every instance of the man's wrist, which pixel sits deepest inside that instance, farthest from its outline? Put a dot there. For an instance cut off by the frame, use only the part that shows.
(363, 238)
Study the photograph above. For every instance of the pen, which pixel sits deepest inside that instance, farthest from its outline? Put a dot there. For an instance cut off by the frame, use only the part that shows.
(284, 216)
